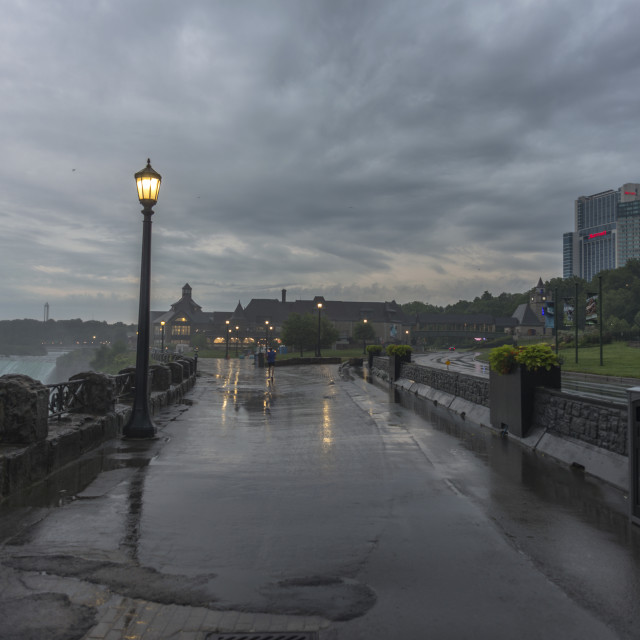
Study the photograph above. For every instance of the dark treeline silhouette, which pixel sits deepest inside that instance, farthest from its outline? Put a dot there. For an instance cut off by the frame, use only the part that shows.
(620, 304)
(33, 336)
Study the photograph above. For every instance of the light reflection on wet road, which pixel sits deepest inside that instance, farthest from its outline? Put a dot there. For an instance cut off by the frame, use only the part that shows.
(322, 495)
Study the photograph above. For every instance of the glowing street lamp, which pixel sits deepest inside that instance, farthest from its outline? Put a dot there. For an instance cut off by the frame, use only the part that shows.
(162, 323)
(226, 354)
(364, 341)
(237, 339)
(318, 354)
(140, 424)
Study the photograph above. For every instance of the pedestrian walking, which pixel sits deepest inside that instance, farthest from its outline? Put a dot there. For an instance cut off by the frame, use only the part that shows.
(271, 361)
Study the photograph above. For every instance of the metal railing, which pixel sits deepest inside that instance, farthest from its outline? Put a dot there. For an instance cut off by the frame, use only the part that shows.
(68, 396)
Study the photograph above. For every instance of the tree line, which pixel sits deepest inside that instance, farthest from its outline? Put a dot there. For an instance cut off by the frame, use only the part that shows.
(620, 304)
(31, 337)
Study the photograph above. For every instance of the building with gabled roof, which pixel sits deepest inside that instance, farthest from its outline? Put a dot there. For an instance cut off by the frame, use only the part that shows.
(184, 319)
(387, 318)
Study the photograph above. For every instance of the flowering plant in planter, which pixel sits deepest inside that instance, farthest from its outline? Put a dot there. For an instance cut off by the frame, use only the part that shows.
(505, 359)
(374, 349)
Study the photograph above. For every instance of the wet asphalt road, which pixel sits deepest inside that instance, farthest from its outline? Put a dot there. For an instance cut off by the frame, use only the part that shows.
(318, 495)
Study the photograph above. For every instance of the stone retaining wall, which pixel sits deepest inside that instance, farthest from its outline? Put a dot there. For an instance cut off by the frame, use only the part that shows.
(471, 388)
(601, 424)
(70, 438)
(598, 423)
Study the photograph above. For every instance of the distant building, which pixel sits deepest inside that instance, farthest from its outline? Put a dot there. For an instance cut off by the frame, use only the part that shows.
(387, 318)
(264, 317)
(184, 320)
(606, 232)
(628, 236)
(530, 316)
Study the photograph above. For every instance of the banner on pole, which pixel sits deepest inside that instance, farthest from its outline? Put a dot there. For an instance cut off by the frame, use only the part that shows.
(591, 316)
(568, 312)
(550, 315)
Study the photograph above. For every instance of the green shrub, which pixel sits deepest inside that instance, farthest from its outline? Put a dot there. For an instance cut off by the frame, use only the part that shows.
(399, 350)
(505, 359)
(537, 356)
(374, 349)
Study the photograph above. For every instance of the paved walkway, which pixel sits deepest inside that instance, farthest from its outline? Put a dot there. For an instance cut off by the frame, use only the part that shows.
(314, 504)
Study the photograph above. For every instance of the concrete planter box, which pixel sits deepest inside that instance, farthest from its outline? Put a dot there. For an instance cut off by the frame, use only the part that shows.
(512, 397)
(395, 364)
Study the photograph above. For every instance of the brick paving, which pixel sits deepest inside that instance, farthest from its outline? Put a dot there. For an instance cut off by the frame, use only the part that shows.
(121, 618)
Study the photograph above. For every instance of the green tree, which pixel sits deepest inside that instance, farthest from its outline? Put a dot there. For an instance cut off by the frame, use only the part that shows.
(300, 331)
(415, 307)
(328, 333)
(618, 328)
(364, 331)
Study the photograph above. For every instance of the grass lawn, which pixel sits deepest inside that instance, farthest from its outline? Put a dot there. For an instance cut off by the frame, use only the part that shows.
(618, 360)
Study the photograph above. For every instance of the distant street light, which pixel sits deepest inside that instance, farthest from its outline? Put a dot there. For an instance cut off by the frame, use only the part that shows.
(162, 323)
(364, 341)
(318, 354)
(226, 354)
(237, 339)
(266, 334)
(406, 333)
(140, 424)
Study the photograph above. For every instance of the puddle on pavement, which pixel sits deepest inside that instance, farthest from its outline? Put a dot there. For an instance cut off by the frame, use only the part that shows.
(252, 398)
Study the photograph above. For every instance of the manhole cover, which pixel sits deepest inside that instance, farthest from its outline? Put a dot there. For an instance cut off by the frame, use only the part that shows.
(286, 635)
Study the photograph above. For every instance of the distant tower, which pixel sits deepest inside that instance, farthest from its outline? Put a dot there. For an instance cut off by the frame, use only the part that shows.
(46, 311)
(538, 300)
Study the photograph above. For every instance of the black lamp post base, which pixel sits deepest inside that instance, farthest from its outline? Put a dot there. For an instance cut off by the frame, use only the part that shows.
(140, 428)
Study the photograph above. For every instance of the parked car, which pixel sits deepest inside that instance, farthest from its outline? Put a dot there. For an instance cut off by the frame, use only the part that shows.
(452, 348)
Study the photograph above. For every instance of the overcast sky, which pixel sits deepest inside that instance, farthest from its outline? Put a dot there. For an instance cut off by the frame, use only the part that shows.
(360, 150)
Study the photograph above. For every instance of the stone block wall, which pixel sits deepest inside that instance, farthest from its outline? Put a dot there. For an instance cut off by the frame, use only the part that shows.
(380, 367)
(461, 385)
(24, 410)
(600, 424)
(23, 464)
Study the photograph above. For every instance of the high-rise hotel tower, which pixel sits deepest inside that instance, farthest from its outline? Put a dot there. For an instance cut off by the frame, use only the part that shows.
(607, 232)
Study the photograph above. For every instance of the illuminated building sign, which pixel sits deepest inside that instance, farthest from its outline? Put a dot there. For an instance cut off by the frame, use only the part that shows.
(630, 193)
(597, 235)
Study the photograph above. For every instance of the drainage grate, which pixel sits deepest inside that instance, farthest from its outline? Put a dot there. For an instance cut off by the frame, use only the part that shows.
(286, 635)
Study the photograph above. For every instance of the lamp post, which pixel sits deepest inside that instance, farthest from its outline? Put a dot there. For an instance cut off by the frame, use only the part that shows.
(226, 353)
(318, 354)
(140, 424)
(266, 335)
(162, 323)
(406, 333)
(364, 341)
(237, 339)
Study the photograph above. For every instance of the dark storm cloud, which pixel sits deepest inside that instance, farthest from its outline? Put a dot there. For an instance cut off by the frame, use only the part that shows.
(376, 150)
